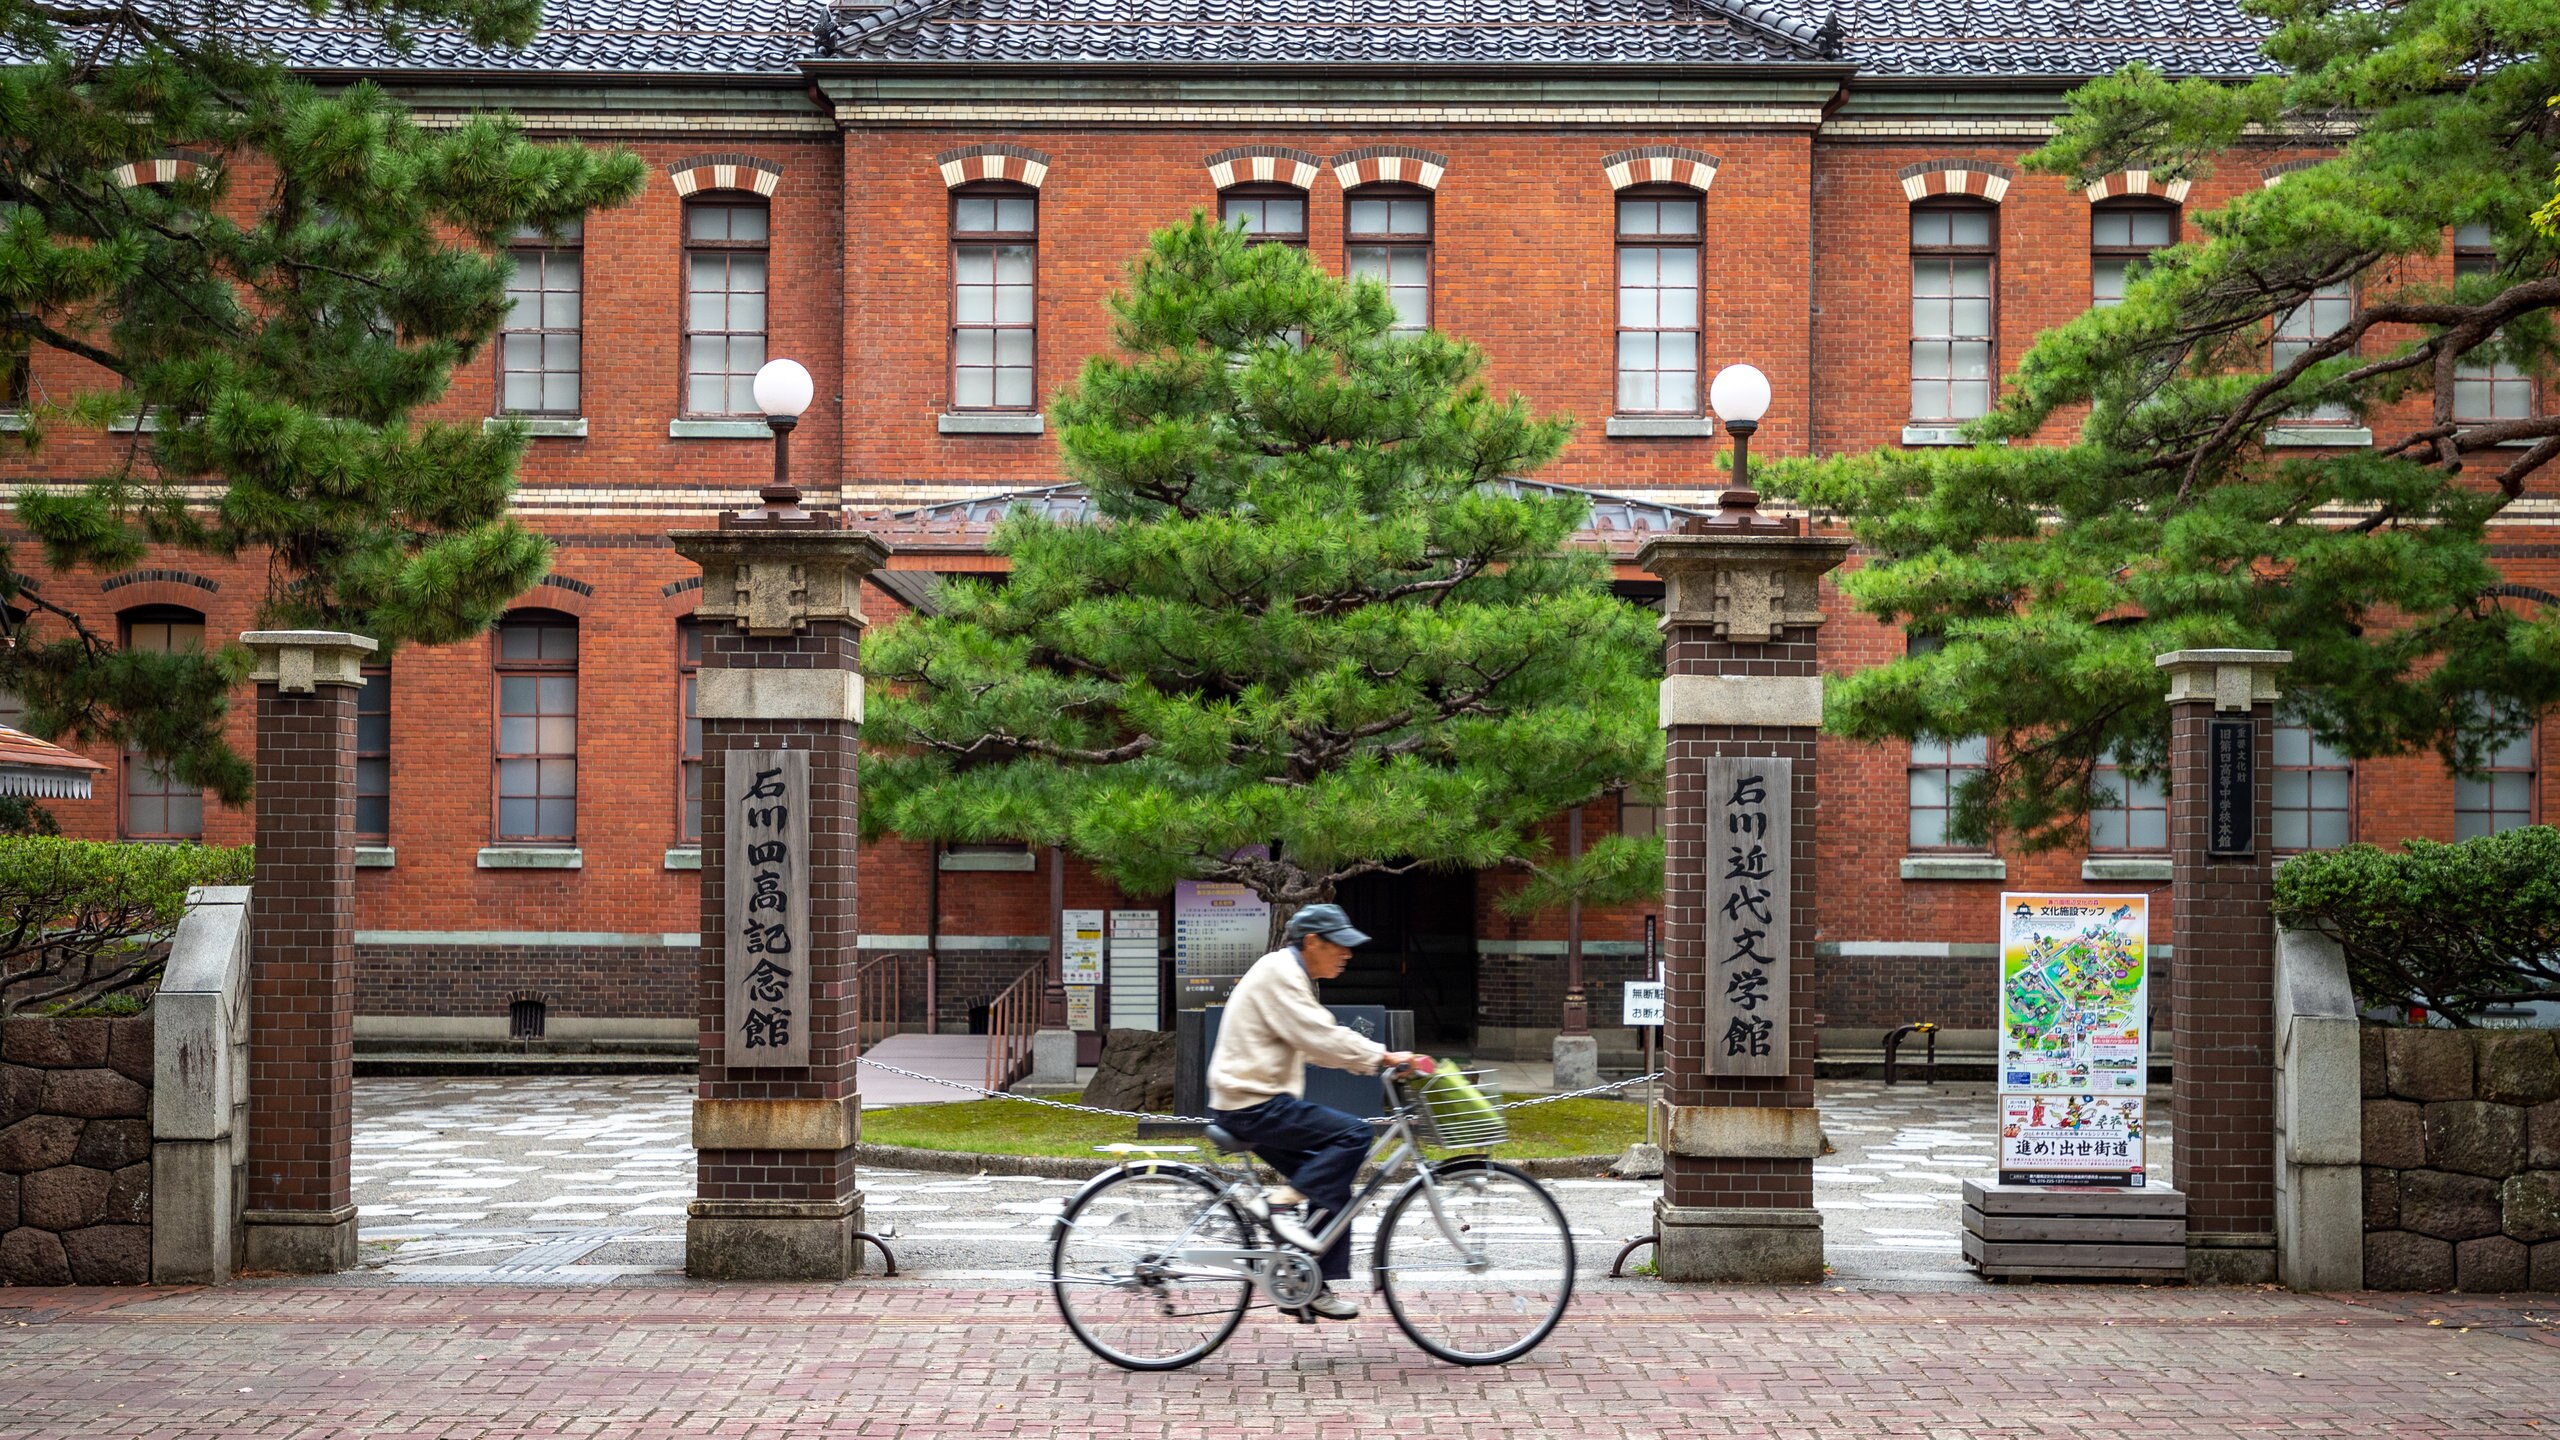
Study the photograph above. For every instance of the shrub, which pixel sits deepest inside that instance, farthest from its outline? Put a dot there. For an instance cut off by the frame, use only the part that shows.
(2455, 927)
(82, 921)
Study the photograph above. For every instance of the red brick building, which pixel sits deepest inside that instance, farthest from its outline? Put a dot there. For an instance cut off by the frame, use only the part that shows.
(926, 203)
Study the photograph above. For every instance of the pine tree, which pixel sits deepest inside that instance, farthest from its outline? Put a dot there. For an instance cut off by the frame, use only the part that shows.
(1311, 634)
(2052, 576)
(266, 324)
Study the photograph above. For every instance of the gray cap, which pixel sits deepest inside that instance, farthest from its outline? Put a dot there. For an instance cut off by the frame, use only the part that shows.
(1325, 920)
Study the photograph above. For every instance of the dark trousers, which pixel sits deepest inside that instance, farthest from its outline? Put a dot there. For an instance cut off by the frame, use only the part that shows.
(1318, 1148)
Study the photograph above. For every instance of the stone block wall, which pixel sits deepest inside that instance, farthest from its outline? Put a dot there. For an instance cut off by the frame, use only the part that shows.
(2461, 1160)
(75, 1151)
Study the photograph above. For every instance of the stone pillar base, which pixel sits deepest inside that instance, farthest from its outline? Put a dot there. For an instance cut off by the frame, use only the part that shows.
(2246, 1258)
(195, 1193)
(1053, 1061)
(299, 1242)
(772, 1239)
(1577, 1061)
(1738, 1246)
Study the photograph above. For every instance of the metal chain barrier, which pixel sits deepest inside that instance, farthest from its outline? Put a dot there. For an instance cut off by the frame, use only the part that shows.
(985, 1093)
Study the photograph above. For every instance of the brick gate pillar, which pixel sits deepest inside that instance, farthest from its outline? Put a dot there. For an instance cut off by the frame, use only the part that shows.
(1739, 1128)
(300, 1211)
(2222, 979)
(775, 1112)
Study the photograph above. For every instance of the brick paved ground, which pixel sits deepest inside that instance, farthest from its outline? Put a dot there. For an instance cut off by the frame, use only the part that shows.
(280, 1361)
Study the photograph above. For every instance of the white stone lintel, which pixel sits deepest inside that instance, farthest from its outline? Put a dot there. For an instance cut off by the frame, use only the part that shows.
(1742, 1132)
(1778, 700)
(779, 695)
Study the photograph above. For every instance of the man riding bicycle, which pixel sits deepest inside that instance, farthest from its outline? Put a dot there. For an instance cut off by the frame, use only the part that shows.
(1258, 1082)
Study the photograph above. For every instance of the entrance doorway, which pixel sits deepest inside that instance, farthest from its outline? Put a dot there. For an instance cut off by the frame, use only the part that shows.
(1421, 955)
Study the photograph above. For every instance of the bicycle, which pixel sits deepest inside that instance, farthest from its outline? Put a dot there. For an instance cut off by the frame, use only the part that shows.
(1154, 1263)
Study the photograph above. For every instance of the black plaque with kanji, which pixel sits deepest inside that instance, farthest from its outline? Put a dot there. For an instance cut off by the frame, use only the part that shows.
(1750, 827)
(2232, 785)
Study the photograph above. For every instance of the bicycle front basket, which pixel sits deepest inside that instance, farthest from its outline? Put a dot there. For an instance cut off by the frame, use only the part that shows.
(1462, 1110)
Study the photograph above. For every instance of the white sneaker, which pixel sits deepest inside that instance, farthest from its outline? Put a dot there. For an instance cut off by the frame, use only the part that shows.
(1329, 1306)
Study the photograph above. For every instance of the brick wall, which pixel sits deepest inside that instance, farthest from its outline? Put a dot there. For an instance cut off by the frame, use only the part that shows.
(639, 982)
(75, 1151)
(1806, 277)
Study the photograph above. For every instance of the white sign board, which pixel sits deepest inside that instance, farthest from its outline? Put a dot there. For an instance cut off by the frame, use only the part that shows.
(1641, 1003)
(1134, 997)
(1082, 964)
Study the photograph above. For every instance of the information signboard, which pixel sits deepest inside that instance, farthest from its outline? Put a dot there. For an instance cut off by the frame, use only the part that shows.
(1219, 930)
(1642, 1003)
(1081, 962)
(2074, 1038)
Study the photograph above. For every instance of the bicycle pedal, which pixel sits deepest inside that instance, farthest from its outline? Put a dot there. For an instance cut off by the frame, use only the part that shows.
(1303, 1316)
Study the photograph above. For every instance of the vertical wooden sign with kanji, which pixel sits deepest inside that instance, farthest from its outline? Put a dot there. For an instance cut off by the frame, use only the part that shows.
(1750, 828)
(766, 908)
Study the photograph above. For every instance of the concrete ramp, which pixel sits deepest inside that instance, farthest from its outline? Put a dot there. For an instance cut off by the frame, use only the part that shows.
(946, 1057)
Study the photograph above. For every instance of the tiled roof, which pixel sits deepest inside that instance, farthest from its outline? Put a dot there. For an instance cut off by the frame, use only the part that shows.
(593, 37)
(2049, 37)
(41, 769)
(1338, 32)
(1883, 38)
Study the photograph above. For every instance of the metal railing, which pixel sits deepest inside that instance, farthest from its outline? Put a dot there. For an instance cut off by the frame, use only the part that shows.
(1012, 1017)
(878, 995)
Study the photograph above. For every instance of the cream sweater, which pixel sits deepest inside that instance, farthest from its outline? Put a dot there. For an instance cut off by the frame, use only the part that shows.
(1272, 1027)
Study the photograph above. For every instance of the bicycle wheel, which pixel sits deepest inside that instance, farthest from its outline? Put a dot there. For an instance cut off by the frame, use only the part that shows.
(1114, 1269)
(1486, 1278)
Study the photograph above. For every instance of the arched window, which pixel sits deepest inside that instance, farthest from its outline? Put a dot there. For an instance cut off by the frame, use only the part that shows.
(1386, 232)
(1954, 270)
(157, 806)
(2500, 797)
(995, 239)
(728, 243)
(1270, 214)
(2122, 234)
(2132, 813)
(537, 750)
(1661, 229)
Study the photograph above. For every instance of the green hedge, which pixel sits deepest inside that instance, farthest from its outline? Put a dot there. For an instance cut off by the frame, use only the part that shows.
(2454, 927)
(83, 921)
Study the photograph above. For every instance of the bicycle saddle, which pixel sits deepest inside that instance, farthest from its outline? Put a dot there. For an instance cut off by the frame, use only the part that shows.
(1227, 1144)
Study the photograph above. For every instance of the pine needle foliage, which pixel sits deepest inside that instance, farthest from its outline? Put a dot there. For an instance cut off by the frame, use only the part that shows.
(1310, 633)
(267, 324)
(2053, 576)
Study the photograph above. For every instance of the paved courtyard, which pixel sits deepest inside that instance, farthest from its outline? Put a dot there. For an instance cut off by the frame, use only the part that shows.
(524, 1284)
(557, 1180)
(911, 1360)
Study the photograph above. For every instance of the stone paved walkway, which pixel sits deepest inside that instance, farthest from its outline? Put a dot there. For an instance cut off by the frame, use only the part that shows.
(898, 1359)
(583, 1180)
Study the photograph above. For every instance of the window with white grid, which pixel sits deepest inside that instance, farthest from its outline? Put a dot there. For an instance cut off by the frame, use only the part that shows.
(2486, 389)
(538, 353)
(1660, 236)
(994, 299)
(1954, 258)
(1387, 238)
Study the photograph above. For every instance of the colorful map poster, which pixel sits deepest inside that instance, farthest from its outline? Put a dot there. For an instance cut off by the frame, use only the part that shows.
(2074, 1002)
(2071, 1140)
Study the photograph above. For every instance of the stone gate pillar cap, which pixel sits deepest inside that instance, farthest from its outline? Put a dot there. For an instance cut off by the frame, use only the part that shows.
(2230, 679)
(295, 661)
